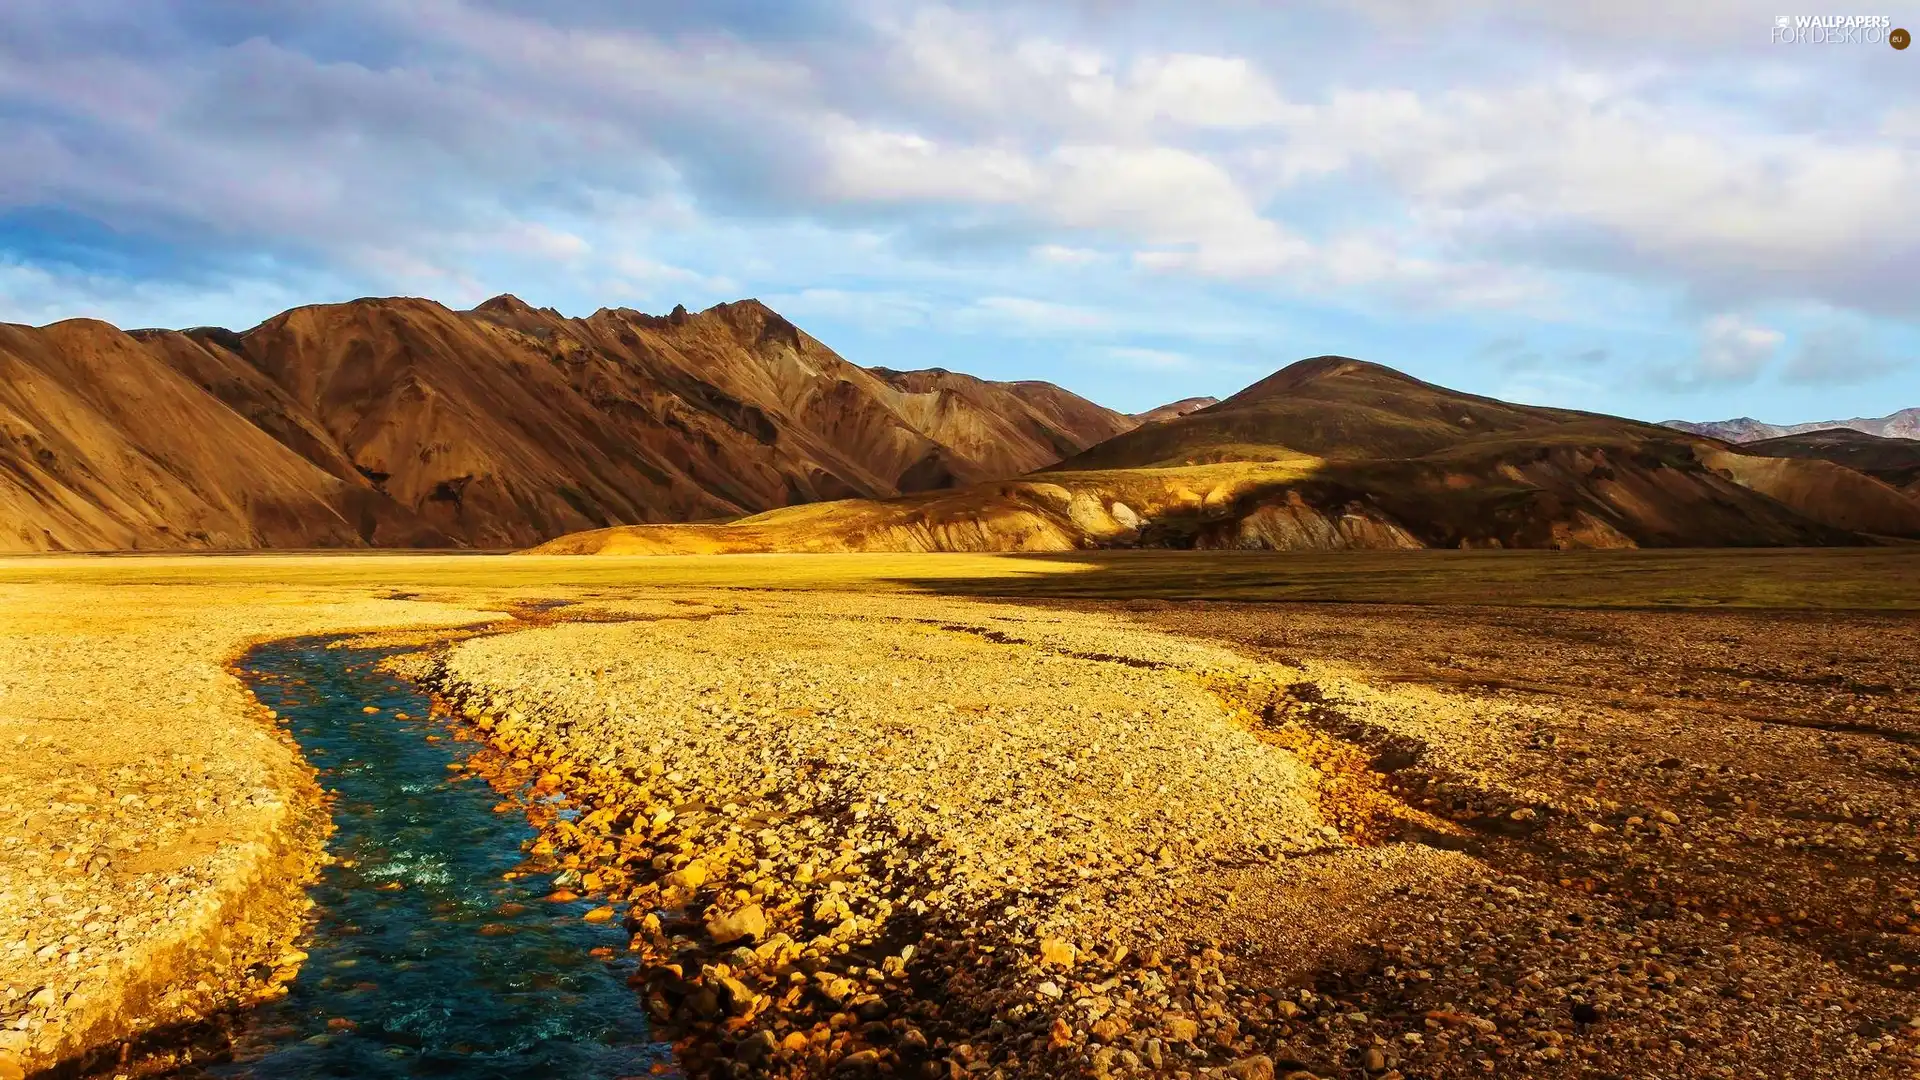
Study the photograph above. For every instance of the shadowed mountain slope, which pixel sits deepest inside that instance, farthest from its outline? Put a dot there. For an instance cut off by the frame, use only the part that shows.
(1339, 453)
(1329, 406)
(1003, 428)
(400, 421)
(1892, 461)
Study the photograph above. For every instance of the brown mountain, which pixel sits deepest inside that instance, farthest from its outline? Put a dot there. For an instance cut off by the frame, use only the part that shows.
(399, 421)
(1176, 408)
(1003, 428)
(104, 445)
(1892, 461)
(1338, 453)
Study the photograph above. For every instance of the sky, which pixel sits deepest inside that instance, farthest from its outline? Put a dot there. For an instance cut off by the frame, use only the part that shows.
(1637, 207)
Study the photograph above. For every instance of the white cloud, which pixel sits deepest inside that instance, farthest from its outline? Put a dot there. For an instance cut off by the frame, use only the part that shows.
(1033, 316)
(636, 278)
(1557, 169)
(876, 310)
(865, 164)
(1149, 359)
(1541, 161)
(1206, 91)
(1734, 349)
(533, 238)
(1061, 255)
(985, 72)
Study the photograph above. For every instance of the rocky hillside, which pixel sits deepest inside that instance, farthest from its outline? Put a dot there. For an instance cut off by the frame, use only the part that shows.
(391, 422)
(1333, 453)
(1893, 461)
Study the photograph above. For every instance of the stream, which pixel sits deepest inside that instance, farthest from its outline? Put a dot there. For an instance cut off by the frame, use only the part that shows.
(433, 950)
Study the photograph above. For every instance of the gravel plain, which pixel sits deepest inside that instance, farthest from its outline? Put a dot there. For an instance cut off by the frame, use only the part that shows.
(943, 838)
(930, 837)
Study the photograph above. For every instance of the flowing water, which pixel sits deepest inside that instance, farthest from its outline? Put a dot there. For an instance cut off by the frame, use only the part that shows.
(434, 951)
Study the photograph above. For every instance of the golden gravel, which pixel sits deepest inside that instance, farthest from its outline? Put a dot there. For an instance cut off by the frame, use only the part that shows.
(937, 838)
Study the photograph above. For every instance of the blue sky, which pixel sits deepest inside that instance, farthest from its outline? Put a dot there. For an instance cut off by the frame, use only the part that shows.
(1617, 207)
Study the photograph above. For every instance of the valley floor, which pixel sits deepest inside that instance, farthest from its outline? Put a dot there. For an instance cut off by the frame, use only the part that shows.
(1080, 828)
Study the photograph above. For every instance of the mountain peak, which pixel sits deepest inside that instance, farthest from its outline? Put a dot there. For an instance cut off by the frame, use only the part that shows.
(505, 304)
(1319, 369)
(1173, 409)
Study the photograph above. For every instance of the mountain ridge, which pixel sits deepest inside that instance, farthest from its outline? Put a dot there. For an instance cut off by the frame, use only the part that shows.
(398, 420)
(1332, 453)
(1900, 424)
(1176, 408)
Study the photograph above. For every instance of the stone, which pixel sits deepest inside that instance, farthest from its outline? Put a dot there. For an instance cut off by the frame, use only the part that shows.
(1057, 953)
(860, 1061)
(687, 878)
(1182, 1028)
(704, 1003)
(740, 1000)
(756, 1047)
(1373, 1060)
(747, 922)
(1258, 1067)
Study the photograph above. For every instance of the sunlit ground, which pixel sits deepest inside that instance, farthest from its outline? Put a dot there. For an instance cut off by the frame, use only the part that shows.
(1849, 578)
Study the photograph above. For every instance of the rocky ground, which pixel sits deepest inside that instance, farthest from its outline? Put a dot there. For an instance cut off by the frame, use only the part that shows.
(910, 836)
(154, 826)
(940, 838)
(1705, 821)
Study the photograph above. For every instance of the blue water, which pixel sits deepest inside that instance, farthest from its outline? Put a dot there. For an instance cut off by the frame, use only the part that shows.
(435, 977)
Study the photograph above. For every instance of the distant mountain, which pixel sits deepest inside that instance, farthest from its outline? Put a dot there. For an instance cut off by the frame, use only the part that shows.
(400, 422)
(1002, 428)
(1333, 453)
(1892, 461)
(1904, 424)
(1175, 408)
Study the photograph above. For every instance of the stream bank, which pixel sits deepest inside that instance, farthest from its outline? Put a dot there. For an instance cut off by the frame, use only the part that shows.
(437, 947)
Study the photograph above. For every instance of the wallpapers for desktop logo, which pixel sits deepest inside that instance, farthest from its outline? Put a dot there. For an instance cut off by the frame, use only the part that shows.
(1837, 30)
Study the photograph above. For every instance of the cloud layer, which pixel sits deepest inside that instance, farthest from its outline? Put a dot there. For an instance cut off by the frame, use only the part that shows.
(1669, 214)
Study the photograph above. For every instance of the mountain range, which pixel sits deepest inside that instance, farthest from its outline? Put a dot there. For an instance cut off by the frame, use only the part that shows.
(400, 422)
(1904, 424)
(396, 422)
(1332, 453)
